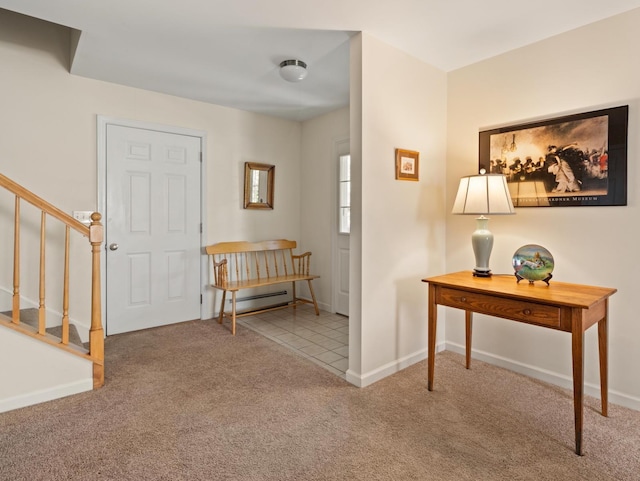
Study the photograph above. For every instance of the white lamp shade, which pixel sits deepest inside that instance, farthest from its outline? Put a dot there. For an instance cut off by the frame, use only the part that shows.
(293, 70)
(483, 194)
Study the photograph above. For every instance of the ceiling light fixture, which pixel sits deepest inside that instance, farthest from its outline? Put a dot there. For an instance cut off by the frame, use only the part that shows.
(293, 70)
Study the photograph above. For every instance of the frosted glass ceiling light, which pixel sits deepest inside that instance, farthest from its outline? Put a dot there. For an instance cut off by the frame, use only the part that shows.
(293, 70)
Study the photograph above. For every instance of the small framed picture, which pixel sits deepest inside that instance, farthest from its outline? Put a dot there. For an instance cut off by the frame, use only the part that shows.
(407, 165)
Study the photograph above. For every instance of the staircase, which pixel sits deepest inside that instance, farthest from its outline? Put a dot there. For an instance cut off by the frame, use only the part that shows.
(32, 322)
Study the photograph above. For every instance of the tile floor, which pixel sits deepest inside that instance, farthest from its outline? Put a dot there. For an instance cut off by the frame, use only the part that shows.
(322, 339)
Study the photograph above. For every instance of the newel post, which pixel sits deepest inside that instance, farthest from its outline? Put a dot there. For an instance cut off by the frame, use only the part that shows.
(96, 333)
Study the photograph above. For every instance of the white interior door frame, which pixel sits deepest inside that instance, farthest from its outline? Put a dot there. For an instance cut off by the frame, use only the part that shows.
(102, 123)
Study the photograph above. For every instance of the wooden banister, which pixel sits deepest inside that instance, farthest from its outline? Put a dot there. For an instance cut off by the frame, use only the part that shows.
(43, 205)
(94, 232)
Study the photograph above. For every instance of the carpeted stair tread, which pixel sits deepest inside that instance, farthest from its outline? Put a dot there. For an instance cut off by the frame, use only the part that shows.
(29, 317)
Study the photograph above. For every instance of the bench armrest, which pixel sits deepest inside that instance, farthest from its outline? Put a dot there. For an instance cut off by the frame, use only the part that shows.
(301, 263)
(220, 274)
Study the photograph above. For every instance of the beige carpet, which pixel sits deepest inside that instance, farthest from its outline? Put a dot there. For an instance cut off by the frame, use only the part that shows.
(191, 402)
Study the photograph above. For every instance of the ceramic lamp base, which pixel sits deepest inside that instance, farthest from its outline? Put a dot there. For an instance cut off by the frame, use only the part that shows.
(482, 242)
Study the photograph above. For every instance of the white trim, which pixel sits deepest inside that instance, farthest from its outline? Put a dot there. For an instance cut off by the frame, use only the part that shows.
(102, 122)
(321, 305)
(37, 397)
(534, 372)
(550, 377)
(324, 306)
(390, 368)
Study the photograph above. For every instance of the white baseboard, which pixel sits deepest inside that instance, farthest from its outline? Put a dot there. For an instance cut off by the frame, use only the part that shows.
(44, 395)
(388, 369)
(5, 299)
(550, 377)
(323, 306)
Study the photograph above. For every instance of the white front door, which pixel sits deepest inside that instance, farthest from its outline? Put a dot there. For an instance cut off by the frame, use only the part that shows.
(341, 253)
(342, 281)
(152, 228)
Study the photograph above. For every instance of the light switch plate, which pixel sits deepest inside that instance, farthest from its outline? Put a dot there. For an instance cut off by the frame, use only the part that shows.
(83, 216)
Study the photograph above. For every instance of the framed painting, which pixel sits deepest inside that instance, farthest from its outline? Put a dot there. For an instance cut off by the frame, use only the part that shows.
(407, 165)
(573, 160)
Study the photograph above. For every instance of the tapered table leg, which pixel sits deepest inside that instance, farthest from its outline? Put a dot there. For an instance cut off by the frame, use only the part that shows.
(603, 328)
(431, 349)
(468, 324)
(577, 352)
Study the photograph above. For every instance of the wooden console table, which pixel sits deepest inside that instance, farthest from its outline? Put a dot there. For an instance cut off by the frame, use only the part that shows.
(565, 307)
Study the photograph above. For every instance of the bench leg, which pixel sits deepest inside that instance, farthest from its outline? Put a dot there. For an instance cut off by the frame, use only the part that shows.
(313, 297)
(233, 313)
(221, 315)
(295, 299)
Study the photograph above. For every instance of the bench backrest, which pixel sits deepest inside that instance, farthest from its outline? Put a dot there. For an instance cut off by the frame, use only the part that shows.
(237, 261)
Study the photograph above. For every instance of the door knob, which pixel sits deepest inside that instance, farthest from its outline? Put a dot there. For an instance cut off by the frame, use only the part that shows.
(113, 247)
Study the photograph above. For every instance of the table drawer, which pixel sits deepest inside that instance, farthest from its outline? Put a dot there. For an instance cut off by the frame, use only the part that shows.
(528, 312)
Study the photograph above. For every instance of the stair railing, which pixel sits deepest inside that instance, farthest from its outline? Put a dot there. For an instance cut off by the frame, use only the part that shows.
(94, 232)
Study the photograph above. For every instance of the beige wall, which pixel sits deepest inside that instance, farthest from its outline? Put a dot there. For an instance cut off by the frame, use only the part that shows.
(400, 103)
(24, 382)
(582, 70)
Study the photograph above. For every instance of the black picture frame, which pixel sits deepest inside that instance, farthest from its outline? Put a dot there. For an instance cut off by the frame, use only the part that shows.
(572, 160)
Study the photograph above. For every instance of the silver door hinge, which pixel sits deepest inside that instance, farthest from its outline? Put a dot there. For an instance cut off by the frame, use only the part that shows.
(200, 227)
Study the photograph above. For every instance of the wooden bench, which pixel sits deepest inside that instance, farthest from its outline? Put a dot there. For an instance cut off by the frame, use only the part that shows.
(245, 265)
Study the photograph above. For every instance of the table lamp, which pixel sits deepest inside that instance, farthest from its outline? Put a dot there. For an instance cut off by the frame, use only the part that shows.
(483, 194)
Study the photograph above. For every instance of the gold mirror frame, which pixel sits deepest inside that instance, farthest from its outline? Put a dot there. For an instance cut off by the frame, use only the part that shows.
(258, 185)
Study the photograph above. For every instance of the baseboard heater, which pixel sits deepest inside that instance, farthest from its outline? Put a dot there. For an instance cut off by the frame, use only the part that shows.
(259, 296)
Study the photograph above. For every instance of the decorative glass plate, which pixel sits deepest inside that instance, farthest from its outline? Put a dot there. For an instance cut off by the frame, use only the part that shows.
(533, 263)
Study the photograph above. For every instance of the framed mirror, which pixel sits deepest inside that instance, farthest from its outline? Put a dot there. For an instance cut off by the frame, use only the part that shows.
(258, 185)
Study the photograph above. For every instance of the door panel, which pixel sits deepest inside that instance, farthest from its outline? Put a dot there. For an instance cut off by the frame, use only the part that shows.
(342, 292)
(343, 228)
(153, 228)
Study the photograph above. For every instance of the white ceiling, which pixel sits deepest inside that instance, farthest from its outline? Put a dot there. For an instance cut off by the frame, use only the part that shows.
(227, 52)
